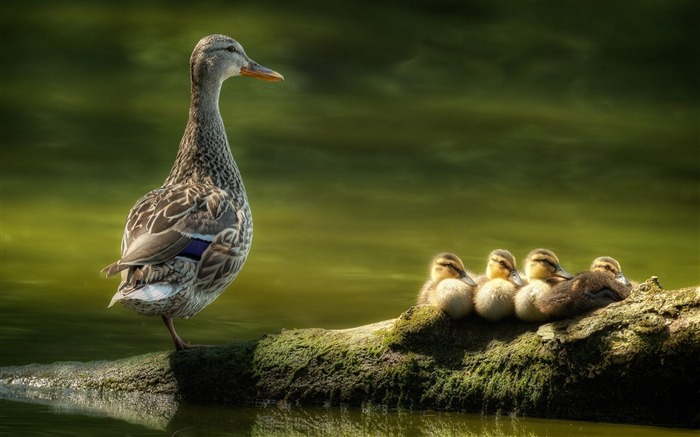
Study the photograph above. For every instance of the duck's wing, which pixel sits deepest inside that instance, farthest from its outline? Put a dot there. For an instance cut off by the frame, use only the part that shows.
(166, 221)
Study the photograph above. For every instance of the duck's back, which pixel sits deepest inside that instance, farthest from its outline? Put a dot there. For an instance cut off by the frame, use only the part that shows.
(583, 293)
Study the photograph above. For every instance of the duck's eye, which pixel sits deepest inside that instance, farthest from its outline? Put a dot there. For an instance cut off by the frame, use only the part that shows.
(547, 262)
(231, 49)
(453, 267)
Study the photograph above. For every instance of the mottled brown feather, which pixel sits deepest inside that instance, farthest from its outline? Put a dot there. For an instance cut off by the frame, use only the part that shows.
(202, 198)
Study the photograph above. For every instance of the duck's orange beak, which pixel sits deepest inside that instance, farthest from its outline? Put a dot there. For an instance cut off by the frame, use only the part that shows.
(259, 72)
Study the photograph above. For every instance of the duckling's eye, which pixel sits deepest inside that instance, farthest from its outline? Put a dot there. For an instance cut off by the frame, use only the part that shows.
(231, 49)
(547, 262)
(450, 266)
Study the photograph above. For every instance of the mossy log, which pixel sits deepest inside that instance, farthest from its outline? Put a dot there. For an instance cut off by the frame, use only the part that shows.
(633, 361)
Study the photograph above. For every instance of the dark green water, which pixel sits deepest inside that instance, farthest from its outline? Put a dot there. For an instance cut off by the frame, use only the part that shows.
(399, 132)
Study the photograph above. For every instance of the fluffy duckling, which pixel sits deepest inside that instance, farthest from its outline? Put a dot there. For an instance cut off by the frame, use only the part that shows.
(602, 285)
(543, 271)
(494, 297)
(449, 288)
(610, 267)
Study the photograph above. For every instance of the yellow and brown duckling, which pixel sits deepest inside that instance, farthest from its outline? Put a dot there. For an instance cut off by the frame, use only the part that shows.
(611, 267)
(602, 285)
(543, 271)
(494, 299)
(449, 288)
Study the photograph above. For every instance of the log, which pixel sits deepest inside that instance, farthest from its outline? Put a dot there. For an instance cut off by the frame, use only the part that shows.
(635, 361)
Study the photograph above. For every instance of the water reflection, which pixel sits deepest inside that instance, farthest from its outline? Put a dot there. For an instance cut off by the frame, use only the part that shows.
(158, 416)
(152, 411)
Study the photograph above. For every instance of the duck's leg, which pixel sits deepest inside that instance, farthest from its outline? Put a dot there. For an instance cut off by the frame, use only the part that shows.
(179, 343)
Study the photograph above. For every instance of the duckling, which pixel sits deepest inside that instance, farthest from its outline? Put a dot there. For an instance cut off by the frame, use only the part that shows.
(449, 288)
(602, 285)
(609, 266)
(542, 270)
(493, 299)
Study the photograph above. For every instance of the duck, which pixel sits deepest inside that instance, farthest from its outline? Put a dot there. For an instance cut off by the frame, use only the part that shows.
(187, 240)
(493, 300)
(611, 267)
(542, 271)
(600, 286)
(449, 288)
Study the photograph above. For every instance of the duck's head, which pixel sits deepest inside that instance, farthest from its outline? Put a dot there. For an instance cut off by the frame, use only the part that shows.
(543, 264)
(449, 266)
(502, 265)
(218, 57)
(610, 267)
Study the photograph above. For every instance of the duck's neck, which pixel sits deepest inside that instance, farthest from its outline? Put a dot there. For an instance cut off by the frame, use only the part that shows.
(204, 155)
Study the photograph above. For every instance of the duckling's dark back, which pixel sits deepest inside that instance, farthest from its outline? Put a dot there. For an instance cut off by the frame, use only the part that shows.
(585, 292)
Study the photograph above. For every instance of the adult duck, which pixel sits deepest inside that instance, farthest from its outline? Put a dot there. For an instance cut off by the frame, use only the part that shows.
(186, 241)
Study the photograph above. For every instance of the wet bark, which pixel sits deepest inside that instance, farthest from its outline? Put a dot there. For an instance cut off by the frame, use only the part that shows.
(633, 361)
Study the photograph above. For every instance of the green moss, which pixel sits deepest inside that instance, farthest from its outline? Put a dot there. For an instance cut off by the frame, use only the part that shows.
(420, 328)
(225, 371)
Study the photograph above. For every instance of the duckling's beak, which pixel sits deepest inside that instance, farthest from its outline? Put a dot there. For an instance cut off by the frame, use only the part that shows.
(259, 72)
(561, 273)
(467, 279)
(516, 279)
(619, 277)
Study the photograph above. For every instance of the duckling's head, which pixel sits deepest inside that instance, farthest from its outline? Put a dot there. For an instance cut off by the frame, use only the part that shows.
(610, 267)
(449, 266)
(543, 264)
(501, 264)
(217, 57)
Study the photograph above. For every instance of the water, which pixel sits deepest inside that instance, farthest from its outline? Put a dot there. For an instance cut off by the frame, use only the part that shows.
(285, 421)
(449, 126)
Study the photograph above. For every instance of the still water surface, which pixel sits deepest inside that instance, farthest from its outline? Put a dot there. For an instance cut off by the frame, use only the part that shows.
(275, 421)
(451, 127)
